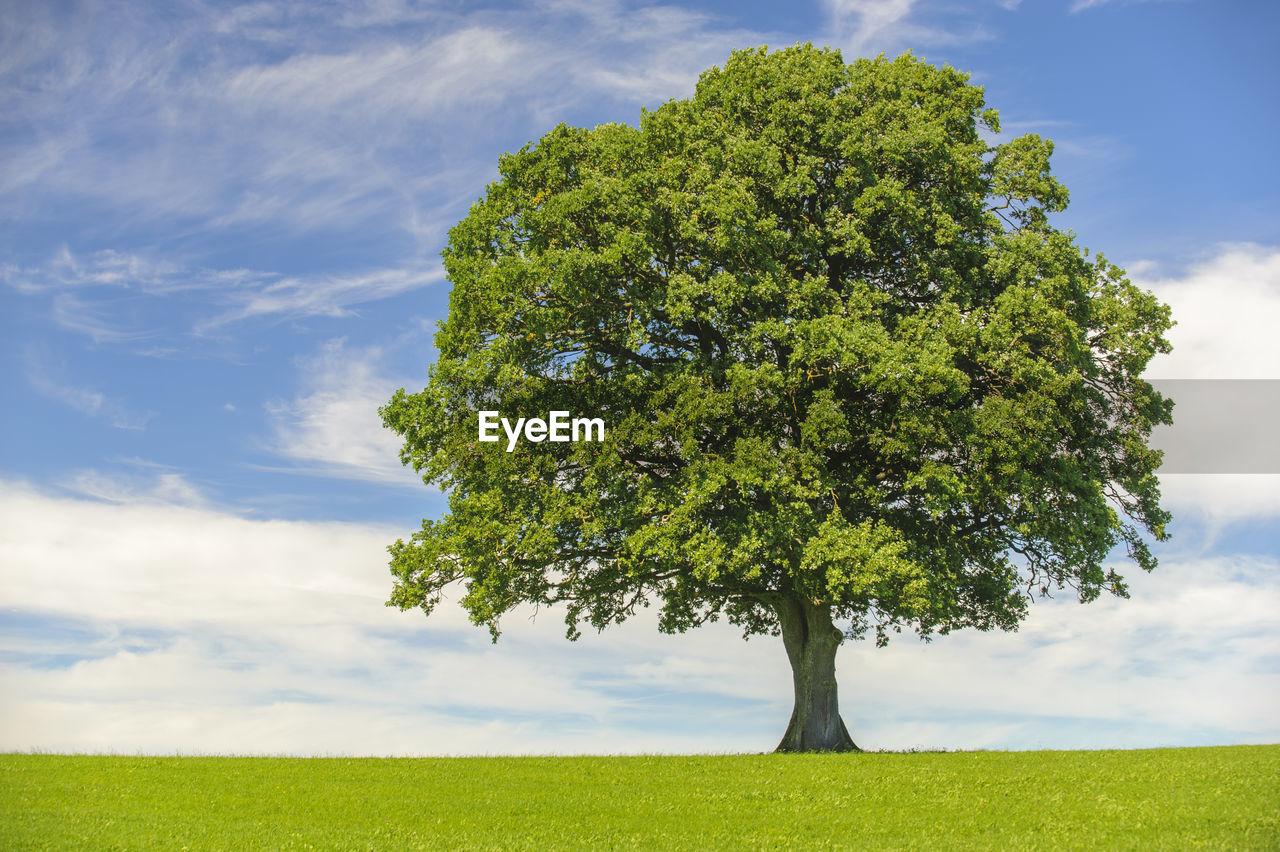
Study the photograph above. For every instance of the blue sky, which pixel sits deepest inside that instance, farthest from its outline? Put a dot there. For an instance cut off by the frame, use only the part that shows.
(220, 254)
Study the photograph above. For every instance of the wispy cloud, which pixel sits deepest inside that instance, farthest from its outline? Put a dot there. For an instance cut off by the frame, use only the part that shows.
(49, 381)
(868, 27)
(299, 117)
(165, 487)
(1081, 152)
(332, 428)
(1093, 147)
(1083, 5)
(73, 314)
(108, 268)
(409, 80)
(85, 293)
(327, 295)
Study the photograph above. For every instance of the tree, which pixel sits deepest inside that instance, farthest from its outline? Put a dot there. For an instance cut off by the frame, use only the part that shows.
(853, 380)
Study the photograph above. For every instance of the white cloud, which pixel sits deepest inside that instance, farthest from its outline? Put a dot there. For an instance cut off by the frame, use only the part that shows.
(333, 427)
(1221, 499)
(1227, 309)
(196, 630)
(1191, 655)
(171, 566)
(157, 627)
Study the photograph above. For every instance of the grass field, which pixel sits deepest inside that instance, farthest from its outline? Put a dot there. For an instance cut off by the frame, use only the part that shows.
(1226, 798)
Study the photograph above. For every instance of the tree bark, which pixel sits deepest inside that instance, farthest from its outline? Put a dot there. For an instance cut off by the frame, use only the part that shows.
(811, 640)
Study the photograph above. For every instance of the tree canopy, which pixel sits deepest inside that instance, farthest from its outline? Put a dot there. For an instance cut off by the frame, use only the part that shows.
(854, 381)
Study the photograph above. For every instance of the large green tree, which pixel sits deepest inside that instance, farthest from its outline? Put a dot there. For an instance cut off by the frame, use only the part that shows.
(852, 378)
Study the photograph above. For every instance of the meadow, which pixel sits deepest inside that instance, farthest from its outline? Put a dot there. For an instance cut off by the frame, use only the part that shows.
(1224, 798)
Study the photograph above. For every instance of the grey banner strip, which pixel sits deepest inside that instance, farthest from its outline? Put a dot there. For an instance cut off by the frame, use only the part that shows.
(1220, 426)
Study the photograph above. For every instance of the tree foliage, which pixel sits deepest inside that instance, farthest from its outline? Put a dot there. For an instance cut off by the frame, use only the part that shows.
(844, 361)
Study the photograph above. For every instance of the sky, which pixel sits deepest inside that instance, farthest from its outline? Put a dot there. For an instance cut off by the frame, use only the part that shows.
(220, 228)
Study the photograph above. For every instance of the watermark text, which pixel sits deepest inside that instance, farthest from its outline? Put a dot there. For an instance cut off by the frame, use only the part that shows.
(558, 427)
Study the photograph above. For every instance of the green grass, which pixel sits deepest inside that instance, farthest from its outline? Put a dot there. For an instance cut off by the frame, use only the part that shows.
(1226, 798)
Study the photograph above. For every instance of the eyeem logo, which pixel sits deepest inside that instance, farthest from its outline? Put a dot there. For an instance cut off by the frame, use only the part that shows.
(557, 427)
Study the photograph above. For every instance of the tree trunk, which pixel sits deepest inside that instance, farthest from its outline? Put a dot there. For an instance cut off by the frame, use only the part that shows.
(811, 641)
